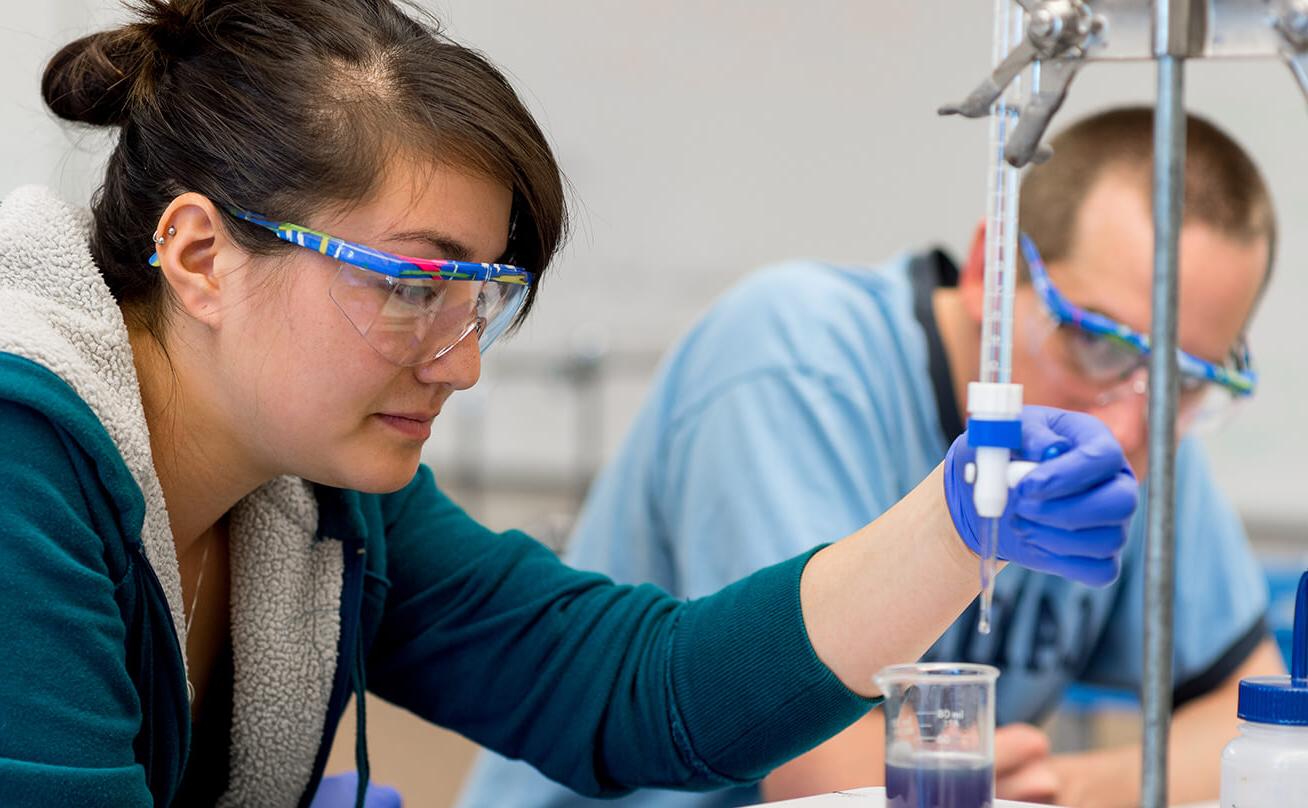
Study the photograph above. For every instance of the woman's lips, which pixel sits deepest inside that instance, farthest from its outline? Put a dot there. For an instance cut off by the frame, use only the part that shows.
(411, 425)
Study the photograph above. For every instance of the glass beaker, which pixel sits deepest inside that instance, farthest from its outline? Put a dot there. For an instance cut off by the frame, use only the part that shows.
(940, 735)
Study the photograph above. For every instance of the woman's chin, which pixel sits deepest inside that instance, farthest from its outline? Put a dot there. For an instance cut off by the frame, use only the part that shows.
(384, 473)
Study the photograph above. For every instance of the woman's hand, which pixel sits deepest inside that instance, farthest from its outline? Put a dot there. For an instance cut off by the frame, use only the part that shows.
(882, 595)
(1068, 517)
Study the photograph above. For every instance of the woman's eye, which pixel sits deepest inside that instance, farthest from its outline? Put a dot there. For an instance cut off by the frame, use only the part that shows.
(416, 295)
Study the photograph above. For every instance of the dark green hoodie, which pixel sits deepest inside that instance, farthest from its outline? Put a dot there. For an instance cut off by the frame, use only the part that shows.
(603, 687)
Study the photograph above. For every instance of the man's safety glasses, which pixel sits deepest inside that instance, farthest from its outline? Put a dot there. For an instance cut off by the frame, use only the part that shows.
(1108, 353)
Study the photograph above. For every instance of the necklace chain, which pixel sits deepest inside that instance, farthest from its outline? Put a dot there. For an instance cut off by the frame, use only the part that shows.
(195, 595)
(190, 618)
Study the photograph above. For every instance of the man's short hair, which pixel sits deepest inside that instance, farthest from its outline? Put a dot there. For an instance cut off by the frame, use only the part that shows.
(1223, 188)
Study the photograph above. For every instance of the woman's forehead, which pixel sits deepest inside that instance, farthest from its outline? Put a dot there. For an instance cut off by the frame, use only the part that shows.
(429, 210)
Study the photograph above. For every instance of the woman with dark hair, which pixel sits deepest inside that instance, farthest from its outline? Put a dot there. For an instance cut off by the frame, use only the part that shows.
(214, 391)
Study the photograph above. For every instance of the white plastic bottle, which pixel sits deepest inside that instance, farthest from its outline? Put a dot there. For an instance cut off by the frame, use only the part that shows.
(1267, 765)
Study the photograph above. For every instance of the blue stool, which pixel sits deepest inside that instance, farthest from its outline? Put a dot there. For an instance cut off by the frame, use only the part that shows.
(1282, 583)
(1081, 701)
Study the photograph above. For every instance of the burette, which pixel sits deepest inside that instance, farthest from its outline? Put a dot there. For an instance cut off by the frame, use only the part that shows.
(994, 402)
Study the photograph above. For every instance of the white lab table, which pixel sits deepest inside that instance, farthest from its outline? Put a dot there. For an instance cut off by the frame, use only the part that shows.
(876, 798)
(868, 798)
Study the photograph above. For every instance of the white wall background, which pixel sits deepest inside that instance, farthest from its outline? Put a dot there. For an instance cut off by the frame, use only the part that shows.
(705, 139)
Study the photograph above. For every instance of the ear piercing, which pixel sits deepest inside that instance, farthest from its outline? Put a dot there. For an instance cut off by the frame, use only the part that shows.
(158, 239)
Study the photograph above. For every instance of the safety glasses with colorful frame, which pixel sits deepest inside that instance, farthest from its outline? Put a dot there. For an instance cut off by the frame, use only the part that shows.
(1236, 376)
(410, 310)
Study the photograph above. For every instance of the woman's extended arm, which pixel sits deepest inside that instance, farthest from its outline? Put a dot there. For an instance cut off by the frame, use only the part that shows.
(606, 688)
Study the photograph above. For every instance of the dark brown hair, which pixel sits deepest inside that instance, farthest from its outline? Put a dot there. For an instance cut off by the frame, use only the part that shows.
(1223, 188)
(286, 107)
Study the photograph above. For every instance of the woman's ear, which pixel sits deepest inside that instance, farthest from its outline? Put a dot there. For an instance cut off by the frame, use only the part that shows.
(195, 255)
(972, 279)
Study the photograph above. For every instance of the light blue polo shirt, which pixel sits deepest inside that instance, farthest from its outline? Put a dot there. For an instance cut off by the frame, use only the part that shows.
(809, 400)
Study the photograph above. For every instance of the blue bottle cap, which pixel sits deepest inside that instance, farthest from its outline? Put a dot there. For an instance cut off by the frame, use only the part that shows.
(1282, 700)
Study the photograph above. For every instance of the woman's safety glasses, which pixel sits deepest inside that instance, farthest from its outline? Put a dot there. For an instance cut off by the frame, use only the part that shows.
(1113, 357)
(411, 310)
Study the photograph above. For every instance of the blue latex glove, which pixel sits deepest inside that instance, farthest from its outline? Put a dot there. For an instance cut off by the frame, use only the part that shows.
(338, 791)
(1067, 517)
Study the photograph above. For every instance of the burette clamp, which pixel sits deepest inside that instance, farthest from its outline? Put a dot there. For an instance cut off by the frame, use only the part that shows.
(1059, 35)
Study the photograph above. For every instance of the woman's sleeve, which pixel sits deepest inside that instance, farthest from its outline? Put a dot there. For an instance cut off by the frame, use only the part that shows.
(604, 688)
(69, 713)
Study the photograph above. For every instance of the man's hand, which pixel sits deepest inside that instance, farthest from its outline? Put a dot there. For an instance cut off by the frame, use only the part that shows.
(1026, 772)
(1022, 765)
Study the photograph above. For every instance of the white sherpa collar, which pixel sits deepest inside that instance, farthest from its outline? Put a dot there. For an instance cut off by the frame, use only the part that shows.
(286, 587)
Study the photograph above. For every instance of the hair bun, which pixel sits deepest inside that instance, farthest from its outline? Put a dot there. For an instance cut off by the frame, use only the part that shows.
(93, 79)
(99, 78)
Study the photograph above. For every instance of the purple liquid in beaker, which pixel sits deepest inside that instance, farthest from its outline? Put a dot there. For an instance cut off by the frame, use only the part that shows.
(965, 782)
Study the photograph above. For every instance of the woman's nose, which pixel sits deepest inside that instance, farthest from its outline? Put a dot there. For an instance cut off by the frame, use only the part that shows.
(459, 367)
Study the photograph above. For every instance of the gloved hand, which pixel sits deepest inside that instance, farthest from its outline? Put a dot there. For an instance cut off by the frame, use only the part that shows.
(1068, 516)
(339, 790)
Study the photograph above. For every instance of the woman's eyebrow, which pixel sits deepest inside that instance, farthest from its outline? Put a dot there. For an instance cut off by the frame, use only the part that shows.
(447, 246)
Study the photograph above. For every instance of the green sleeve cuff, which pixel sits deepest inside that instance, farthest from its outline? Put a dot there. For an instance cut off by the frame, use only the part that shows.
(748, 690)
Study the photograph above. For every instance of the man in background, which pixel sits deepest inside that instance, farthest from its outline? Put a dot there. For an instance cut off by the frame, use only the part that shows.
(813, 397)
